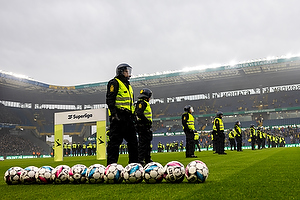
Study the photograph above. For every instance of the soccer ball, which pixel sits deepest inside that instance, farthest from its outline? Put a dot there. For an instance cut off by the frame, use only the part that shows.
(113, 173)
(95, 173)
(13, 175)
(153, 173)
(77, 174)
(60, 174)
(28, 175)
(174, 172)
(133, 173)
(43, 175)
(196, 172)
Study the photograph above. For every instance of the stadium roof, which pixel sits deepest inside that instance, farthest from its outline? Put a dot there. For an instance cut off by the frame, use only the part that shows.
(162, 78)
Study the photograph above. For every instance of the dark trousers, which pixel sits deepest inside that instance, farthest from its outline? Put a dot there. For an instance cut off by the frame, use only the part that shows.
(145, 138)
(119, 130)
(190, 144)
(197, 144)
(239, 143)
(253, 142)
(232, 143)
(220, 140)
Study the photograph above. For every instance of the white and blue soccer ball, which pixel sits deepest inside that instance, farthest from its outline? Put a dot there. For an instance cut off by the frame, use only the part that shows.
(44, 175)
(60, 174)
(114, 173)
(95, 173)
(153, 172)
(28, 175)
(196, 172)
(13, 175)
(174, 172)
(77, 174)
(133, 173)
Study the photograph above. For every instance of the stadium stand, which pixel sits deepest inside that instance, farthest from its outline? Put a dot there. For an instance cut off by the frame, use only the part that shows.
(264, 93)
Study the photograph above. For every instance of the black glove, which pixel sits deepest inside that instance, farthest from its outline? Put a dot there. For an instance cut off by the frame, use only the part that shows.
(115, 117)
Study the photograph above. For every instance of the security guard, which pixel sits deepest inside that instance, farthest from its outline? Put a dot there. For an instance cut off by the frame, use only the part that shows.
(89, 149)
(74, 149)
(196, 141)
(84, 149)
(231, 136)
(259, 138)
(159, 147)
(181, 145)
(189, 130)
(119, 99)
(238, 135)
(218, 133)
(253, 136)
(167, 146)
(144, 124)
(79, 148)
(69, 146)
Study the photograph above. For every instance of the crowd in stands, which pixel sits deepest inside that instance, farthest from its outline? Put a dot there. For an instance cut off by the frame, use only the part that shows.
(229, 104)
(15, 145)
(8, 116)
(290, 134)
(43, 119)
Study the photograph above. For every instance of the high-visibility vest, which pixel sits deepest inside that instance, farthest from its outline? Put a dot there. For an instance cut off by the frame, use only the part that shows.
(259, 134)
(252, 132)
(221, 125)
(196, 136)
(148, 111)
(124, 98)
(231, 134)
(190, 122)
(239, 132)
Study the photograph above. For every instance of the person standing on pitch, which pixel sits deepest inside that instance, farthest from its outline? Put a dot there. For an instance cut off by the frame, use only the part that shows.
(144, 124)
(232, 140)
(189, 130)
(218, 133)
(253, 136)
(238, 135)
(119, 99)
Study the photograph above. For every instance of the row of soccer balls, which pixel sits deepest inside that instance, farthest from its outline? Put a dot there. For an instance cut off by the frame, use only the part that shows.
(174, 172)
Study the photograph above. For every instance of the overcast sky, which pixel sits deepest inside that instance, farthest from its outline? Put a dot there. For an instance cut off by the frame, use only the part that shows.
(70, 42)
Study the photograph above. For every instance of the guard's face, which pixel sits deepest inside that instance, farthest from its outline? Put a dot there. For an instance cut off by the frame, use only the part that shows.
(127, 72)
(191, 110)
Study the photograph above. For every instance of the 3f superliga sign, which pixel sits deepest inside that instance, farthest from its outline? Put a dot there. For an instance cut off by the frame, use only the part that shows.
(81, 116)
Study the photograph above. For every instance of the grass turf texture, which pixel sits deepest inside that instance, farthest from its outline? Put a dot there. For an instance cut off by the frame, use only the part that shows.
(260, 174)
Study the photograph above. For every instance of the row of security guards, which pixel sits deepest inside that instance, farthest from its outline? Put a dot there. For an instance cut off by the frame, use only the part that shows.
(78, 149)
(174, 146)
(258, 137)
(235, 137)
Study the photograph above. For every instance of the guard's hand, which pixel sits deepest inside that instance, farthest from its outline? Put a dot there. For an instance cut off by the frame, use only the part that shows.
(115, 117)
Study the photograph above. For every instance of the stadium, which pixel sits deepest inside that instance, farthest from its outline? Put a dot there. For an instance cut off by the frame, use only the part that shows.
(261, 92)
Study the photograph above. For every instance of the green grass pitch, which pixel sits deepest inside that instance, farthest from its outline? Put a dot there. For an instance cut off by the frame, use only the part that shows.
(260, 174)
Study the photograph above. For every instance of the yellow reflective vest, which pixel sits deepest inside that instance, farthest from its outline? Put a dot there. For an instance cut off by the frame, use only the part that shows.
(124, 98)
(221, 125)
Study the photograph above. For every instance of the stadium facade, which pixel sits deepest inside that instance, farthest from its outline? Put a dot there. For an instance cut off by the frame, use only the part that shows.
(261, 92)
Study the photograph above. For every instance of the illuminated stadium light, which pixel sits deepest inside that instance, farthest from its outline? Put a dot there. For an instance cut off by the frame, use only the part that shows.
(16, 75)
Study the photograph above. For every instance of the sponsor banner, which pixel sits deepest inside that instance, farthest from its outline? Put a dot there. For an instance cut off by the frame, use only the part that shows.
(282, 88)
(24, 157)
(80, 116)
(168, 134)
(235, 93)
